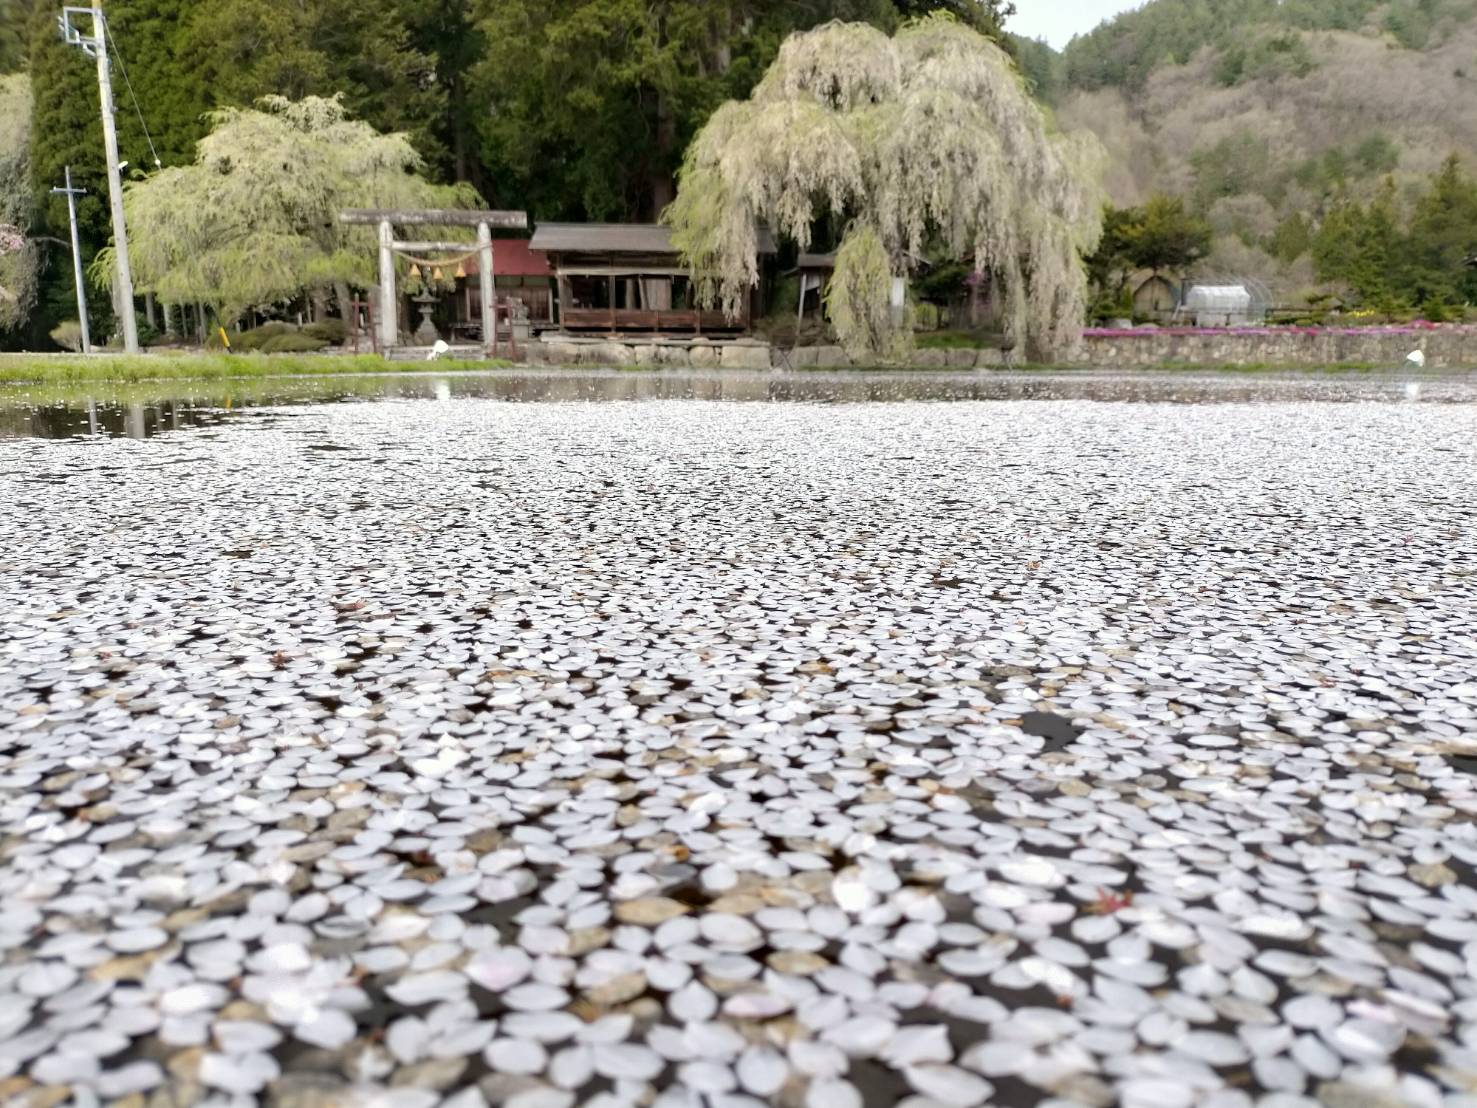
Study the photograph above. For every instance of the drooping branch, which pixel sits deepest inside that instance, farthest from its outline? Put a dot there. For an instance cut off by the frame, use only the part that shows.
(859, 298)
(927, 135)
(255, 220)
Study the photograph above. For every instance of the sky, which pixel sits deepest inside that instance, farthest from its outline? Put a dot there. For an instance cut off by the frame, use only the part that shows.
(1058, 20)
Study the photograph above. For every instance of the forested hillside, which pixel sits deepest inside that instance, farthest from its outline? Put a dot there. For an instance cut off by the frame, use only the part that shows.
(1269, 116)
(1248, 38)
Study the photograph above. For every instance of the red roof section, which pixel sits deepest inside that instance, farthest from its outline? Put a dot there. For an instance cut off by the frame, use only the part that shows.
(513, 258)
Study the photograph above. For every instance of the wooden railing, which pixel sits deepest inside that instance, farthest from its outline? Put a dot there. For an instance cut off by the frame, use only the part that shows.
(637, 319)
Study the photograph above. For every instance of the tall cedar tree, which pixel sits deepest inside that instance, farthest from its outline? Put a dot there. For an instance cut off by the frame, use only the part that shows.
(1443, 240)
(594, 101)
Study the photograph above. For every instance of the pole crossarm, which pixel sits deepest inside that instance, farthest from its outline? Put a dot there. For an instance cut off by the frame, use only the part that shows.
(444, 217)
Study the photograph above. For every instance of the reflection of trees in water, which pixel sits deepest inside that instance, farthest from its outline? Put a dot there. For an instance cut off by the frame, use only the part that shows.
(138, 415)
(134, 420)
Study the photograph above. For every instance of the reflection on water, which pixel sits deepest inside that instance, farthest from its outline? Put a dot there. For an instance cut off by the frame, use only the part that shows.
(144, 410)
(135, 419)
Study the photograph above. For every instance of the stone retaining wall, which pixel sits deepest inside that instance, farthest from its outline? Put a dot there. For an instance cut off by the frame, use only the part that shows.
(1445, 348)
(730, 354)
(615, 353)
(814, 357)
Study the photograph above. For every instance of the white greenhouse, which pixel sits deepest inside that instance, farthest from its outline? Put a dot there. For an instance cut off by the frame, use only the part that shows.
(1221, 306)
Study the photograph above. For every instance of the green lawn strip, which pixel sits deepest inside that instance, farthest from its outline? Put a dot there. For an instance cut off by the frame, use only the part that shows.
(19, 368)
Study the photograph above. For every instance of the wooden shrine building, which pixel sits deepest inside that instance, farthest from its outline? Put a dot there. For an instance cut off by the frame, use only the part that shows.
(519, 274)
(617, 278)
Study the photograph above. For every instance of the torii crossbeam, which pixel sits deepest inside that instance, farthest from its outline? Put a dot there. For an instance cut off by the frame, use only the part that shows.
(389, 218)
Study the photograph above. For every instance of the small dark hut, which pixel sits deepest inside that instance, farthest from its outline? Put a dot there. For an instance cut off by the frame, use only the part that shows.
(1155, 297)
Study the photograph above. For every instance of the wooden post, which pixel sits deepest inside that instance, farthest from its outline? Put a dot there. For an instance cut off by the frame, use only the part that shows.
(389, 310)
(367, 307)
(800, 311)
(487, 278)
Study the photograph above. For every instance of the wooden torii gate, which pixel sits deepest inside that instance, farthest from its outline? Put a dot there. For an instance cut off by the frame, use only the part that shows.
(389, 219)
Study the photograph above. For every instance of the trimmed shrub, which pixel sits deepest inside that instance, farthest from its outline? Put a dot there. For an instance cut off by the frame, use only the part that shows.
(331, 331)
(292, 344)
(255, 339)
(68, 335)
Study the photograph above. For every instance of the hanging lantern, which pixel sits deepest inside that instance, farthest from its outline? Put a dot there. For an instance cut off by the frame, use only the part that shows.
(436, 274)
(461, 269)
(415, 273)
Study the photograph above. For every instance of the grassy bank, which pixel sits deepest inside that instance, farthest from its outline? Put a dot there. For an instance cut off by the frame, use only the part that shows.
(219, 392)
(122, 368)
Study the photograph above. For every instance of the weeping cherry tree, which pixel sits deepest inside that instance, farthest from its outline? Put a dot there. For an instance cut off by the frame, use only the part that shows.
(17, 277)
(254, 221)
(926, 136)
(19, 258)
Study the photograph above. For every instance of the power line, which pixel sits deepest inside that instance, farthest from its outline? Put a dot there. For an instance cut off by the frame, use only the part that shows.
(139, 111)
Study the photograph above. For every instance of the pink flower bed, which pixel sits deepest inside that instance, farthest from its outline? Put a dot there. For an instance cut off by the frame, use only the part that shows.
(1415, 327)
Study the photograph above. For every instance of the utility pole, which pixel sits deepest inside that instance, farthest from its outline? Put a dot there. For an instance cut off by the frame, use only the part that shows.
(71, 195)
(97, 47)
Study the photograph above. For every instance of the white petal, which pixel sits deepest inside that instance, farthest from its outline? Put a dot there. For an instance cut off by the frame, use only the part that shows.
(832, 1093)
(762, 1070)
(499, 969)
(626, 1061)
(917, 1044)
(242, 1074)
(949, 1085)
(329, 1028)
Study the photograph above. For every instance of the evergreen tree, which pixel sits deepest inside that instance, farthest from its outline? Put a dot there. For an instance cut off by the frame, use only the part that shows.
(1358, 247)
(1292, 238)
(1041, 65)
(241, 50)
(1162, 235)
(1166, 236)
(446, 32)
(1443, 236)
(592, 102)
(66, 129)
(986, 16)
(1109, 266)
